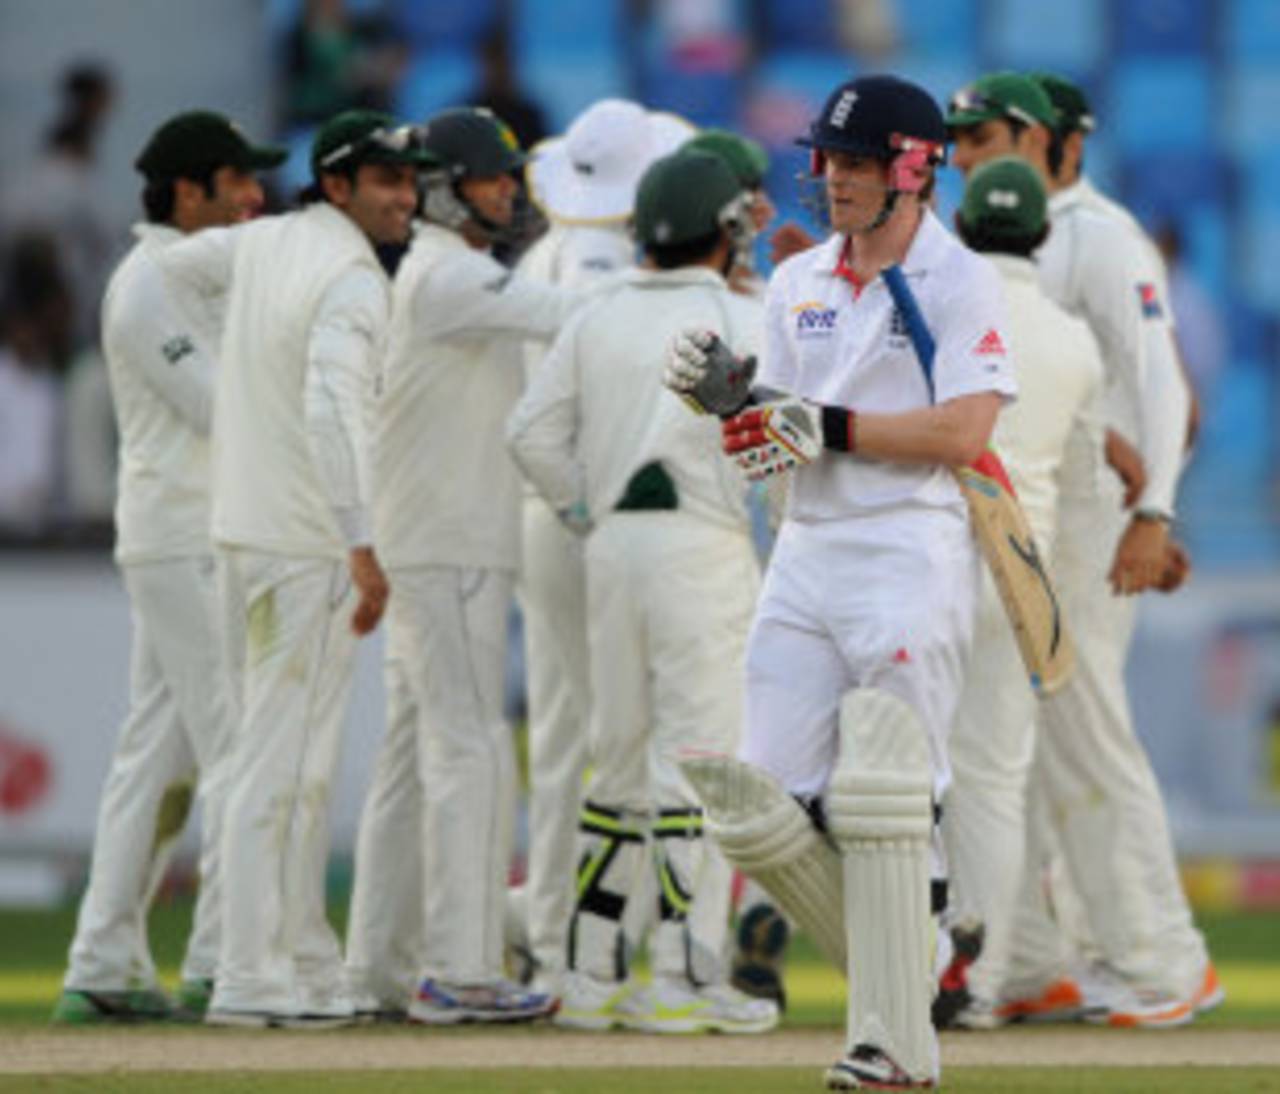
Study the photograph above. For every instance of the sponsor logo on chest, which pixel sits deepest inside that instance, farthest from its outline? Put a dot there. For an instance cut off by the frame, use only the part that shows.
(814, 319)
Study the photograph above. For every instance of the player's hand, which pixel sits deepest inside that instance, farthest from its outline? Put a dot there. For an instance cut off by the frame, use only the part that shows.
(1177, 567)
(1140, 557)
(371, 585)
(577, 518)
(1126, 461)
(773, 437)
(703, 371)
(790, 239)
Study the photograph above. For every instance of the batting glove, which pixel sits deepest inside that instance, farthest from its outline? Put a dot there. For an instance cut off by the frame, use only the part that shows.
(774, 437)
(703, 371)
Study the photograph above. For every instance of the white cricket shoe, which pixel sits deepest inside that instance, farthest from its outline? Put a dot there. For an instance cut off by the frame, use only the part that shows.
(590, 1003)
(1114, 1000)
(867, 1067)
(439, 1003)
(674, 1005)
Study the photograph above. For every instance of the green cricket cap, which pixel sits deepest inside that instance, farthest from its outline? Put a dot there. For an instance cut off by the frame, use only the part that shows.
(1005, 199)
(194, 143)
(357, 137)
(746, 158)
(1069, 100)
(680, 198)
(1011, 96)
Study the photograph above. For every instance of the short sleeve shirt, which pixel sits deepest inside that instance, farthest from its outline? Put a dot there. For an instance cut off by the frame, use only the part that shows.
(838, 344)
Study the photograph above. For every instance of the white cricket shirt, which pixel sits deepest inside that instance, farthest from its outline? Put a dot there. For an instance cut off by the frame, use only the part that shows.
(160, 349)
(833, 344)
(597, 411)
(445, 491)
(1059, 373)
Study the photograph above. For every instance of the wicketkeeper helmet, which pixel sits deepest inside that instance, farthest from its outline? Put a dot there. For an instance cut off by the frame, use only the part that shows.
(469, 142)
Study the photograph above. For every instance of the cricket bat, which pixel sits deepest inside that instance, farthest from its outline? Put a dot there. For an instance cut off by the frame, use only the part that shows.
(1003, 534)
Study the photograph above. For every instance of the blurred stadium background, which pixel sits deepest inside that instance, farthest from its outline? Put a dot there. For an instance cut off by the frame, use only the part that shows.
(1187, 93)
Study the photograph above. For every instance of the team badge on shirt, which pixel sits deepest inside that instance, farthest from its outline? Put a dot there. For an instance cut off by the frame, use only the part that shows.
(1149, 299)
(814, 319)
(178, 347)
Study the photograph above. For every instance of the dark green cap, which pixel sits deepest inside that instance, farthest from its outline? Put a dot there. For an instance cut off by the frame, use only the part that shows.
(1069, 101)
(356, 137)
(472, 142)
(1005, 199)
(197, 142)
(746, 159)
(1001, 95)
(681, 196)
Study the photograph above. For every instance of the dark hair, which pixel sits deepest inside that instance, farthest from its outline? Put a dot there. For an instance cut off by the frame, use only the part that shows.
(313, 192)
(674, 255)
(160, 195)
(976, 239)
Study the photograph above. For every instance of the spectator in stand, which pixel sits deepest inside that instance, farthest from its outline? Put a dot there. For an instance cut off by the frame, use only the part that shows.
(336, 60)
(1201, 337)
(59, 195)
(499, 90)
(33, 325)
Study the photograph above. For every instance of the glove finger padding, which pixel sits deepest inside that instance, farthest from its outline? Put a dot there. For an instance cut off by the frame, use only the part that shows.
(703, 370)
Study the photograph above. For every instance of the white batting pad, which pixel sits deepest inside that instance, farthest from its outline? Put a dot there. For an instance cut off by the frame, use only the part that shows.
(880, 811)
(765, 833)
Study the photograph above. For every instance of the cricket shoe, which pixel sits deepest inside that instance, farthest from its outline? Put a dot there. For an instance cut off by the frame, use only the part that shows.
(372, 1009)
(761, 938)
(439, 1003)
(1211, 993)
(1060, 1000)
(954, 996)
(79, 1007)
(1113, 1000)
(267, 1019)
(868, 1068)
(192, 1000)
(587, 1002)
(673, 1005)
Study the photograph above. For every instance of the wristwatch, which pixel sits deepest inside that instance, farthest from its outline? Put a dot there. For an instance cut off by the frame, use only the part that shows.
(1153, 514)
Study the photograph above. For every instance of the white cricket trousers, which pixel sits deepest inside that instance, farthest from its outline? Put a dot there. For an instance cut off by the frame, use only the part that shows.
(292, 651)
(449, 746)
(1107, 814)
(172, 743)
(553, 599)
(883, 601)
(669, 598)
(984, 812)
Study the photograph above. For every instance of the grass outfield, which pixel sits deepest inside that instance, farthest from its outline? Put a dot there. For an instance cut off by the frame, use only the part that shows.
(647, 1080)
(33, 949)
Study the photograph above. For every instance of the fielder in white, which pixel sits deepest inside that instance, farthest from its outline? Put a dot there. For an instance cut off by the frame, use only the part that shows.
(435, 840)
(856, 657)
(160, 359)
(1059, 373)
(671, 582)
(1151, 968)
(584, 182)
(306, 316)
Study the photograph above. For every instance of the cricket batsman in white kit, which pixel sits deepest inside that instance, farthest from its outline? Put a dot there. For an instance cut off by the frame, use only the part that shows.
(437, 830)
(161, 362)
(306, 315)
(584, 182)
(1151, 968)
(856, 657)
(671, 583)
(1059, 374)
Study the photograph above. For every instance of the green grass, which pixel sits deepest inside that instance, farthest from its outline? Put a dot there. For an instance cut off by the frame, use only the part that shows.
(33, 949)
(959, 1080)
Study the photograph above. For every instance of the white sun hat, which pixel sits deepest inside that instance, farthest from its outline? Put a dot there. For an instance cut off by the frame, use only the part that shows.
(589, 176)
